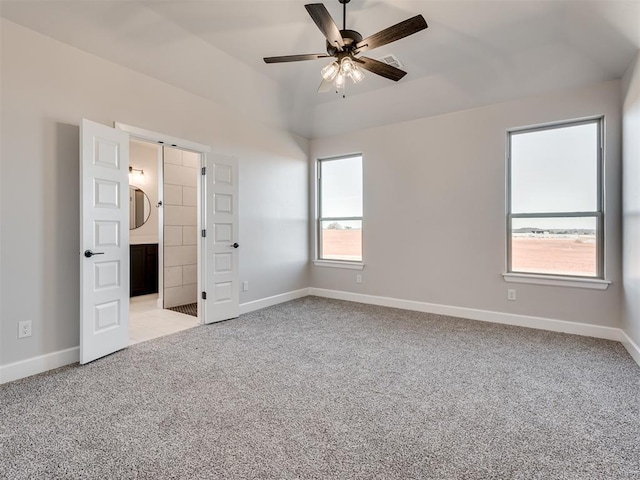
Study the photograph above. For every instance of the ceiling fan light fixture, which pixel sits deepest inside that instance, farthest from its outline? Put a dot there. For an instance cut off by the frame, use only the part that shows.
(356, 75)
(347, 66)
(339, 80)
(330, 71)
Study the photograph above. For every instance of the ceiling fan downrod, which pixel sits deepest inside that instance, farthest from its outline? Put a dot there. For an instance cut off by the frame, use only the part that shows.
(344, 13)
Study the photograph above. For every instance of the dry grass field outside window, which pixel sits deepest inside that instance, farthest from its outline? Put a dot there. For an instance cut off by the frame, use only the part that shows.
(557, 254)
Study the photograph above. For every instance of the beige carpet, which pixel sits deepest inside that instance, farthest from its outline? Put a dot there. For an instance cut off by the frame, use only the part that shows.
(321, 389)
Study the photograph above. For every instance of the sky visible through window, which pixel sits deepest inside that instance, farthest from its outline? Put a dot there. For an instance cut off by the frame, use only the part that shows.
(341, 189)
(555, 170)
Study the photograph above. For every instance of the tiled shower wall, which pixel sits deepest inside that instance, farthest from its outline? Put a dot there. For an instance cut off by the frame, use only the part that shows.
(180, 227)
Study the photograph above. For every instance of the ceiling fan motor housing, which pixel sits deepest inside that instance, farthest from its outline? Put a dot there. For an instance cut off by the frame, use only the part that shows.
(350, 38)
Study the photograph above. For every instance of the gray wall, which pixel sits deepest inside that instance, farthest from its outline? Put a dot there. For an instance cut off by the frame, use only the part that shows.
(434, 209)
(631, 201)
(47, 87)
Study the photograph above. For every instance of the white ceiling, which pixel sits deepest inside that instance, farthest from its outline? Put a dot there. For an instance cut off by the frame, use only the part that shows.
(474, 52)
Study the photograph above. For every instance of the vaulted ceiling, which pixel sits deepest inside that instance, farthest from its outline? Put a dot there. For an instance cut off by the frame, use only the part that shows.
(474, 52)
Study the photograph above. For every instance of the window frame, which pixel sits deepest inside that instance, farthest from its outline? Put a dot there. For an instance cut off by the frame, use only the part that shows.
(319, 260)
(598, 214)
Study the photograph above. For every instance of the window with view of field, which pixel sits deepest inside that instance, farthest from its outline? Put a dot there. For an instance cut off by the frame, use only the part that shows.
(340, 209)
(555, 215)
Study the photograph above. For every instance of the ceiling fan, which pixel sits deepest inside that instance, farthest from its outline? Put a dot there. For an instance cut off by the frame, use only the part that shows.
(345, 46)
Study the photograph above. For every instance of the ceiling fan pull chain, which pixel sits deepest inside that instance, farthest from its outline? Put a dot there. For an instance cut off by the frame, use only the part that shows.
(344, 90)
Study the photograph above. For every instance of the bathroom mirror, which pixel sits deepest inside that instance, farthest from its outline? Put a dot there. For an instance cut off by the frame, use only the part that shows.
(139, 207)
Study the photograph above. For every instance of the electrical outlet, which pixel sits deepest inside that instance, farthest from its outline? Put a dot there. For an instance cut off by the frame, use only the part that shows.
(358, 278)
(511, 294)
(24, 329)
(245, 286)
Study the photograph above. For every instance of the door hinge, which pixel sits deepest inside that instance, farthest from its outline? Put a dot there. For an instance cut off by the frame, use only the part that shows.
(204, 233)
(204, 295)
(204, 170)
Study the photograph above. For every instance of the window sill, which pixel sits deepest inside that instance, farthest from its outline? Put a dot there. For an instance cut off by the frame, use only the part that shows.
(339, 264)
(592, 283)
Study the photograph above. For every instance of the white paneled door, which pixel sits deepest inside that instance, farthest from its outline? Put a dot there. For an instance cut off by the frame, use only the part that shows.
(104, 240)
(222, 242)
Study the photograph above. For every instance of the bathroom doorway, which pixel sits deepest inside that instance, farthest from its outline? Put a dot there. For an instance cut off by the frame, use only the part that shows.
(106, 210)
(163, 238)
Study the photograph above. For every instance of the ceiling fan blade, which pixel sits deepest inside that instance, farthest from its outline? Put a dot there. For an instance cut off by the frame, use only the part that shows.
(295, 58)
(380, 68)
(325, 23)
(325, 86)
(391, 34)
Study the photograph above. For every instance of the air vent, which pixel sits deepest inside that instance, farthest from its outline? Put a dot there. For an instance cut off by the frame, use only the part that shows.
(391, 60)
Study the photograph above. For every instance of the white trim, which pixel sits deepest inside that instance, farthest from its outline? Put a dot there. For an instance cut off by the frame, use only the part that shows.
(274, 300)
(181, 144)
(339, 264)
(202, 267)
(540, 323)
(160, 210)
(167, 140)
(575, 282)
(631, 346)
(43, 363)
(35, 365)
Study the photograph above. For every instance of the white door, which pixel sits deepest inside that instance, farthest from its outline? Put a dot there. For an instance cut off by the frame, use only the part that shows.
(222, 243)
(104, 240)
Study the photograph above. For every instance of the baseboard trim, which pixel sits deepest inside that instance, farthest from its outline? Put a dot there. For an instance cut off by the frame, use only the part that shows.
(631, 346)
(33, 366)
(43, 363)
(540, 323)
(274, 300)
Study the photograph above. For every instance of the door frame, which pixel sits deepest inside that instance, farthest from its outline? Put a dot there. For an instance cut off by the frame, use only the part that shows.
(167, 140)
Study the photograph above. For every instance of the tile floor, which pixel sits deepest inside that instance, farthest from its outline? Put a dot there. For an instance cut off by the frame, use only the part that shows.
(147, 321)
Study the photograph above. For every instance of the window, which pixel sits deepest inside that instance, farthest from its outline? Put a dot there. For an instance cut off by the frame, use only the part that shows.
(340, 209)
(555, 215)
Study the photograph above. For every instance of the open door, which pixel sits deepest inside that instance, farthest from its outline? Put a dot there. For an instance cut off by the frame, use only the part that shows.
(221, 219)
(104, 240)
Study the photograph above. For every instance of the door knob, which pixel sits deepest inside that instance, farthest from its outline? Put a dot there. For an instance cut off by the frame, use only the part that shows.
(235, 245)
(89, 253)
